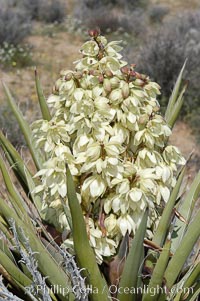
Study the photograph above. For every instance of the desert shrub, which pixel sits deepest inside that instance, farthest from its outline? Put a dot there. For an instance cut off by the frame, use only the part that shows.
(44, 10)
(53, 12)
(14, 26)
(125, 3)
(96, 14)
(8, 3)
(167, 49)
(15, 55)
(135, 22)
(178, 39)
(158, 12)
(31, 7)
(103, 14)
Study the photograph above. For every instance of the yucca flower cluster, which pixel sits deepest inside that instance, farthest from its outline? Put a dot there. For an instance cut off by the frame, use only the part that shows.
(107, 128)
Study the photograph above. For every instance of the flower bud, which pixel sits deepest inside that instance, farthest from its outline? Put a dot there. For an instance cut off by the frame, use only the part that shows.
(133, 66)
(68, 76)
(55, 91)
(94, 33)
(95, 72)
(116, 96)
(65, 72)
(125, 70)
(143, 119)
(114, 82)
(125, 90)
(101, 78)
(139, 82)
(58, 84)
(78, 75)
(156, 108)
(107, 85)
(108, 73)
(100, 55)
(132, 73)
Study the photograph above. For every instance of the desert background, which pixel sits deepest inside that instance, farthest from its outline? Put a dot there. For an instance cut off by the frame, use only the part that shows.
(157, 36)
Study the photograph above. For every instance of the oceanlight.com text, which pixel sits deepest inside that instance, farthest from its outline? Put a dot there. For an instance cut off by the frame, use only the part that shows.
(113, 289)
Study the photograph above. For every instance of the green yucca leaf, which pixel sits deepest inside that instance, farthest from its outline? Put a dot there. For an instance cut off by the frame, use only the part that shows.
(176, 88)
(185, 210)
(18, 202)
(54, 253)
(183, 251)
(84, 252)
(4, 248)
(123, 248)
(177, 107)
(35, 198)
(163, 226)
(142, 259)
(7, 213)
(178, 296)
(46, 264)
(7, 155)
(42, 101)
(13, 270)
(21, 171)
(188, 283)
(174, 95)
(4, 229)
(12, 283)
(132, 266)
(193, 277)
(15, 170)
(24, 128)
(185, 283)
(15, 161)
(158, 273)
(195, 294)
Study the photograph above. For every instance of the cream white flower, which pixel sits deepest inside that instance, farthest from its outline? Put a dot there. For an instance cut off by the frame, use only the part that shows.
(126, 224)
(107, 128)
(93, 187)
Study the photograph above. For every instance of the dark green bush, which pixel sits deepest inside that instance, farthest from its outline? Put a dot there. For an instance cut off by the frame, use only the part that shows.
(157, 12)
(103, 14)
(44, 10)
(55, 11)
(92, 4)
(14, 26)
(164, 53)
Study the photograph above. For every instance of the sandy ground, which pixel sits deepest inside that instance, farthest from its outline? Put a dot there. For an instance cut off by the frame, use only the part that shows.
(50, 55)
(178, 5)
(183, 138)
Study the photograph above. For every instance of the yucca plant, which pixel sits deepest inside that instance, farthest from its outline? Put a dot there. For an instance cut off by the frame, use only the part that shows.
(106, 216)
